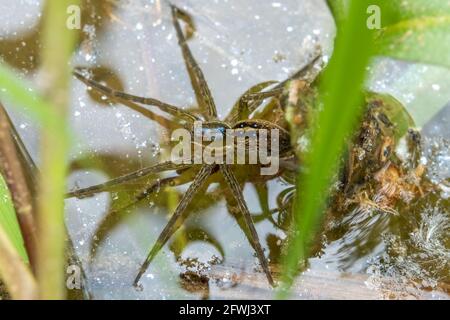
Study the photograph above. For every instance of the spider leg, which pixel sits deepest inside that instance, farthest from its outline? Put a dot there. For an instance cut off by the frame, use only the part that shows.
(237, 194)
(241, 105)
(112, 217)
(253, 100)
(170, 109)
(259, 96)
(290, 163)
(195, 73)
(200, 178)
(263, 198)
(160, 167)
(303, 71)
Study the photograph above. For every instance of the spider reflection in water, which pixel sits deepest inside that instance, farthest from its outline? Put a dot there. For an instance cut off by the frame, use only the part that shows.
(201, 173)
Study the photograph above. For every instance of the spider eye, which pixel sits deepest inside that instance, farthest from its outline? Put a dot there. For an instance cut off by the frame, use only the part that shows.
(387, 151)
(211, 131)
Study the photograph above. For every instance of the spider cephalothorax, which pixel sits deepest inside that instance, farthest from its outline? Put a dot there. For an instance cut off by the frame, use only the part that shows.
(236, 121)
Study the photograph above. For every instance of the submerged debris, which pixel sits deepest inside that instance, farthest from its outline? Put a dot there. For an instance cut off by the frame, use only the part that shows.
(418, 258)
(194, 282)
(388, 189)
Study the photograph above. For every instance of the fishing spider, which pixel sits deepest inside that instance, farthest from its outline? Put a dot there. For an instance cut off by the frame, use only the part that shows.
(248, 103)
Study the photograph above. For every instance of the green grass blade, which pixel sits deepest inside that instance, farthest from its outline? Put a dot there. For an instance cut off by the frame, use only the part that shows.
(24, 97)
(341, 92)
(15, 274)
(339, 9)
(8, 221)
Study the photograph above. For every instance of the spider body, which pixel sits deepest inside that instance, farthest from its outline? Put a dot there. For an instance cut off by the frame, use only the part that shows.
(198, 174)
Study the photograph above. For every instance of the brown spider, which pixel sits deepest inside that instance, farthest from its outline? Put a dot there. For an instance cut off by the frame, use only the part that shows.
(248, 103)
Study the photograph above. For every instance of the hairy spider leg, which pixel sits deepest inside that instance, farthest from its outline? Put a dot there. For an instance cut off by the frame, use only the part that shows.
(233, 184)
(195, 73)
(170, 109)
(160, 167)
(251, 101)
(198, 182)
(111, 218)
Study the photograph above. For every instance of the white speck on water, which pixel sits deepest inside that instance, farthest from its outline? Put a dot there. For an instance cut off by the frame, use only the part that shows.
(157, 23)
(436, 87)
(276, 4)
(77, 113)
(150, 276)
(408, 97)
(118, 115)
(234, 62)
(88, 57)
(316, 32)
(289, 29)
(141, 68)
(257, 17)
(139, 26)
(234, 71)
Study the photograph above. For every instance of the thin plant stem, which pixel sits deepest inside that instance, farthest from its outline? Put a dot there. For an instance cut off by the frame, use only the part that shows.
(58, 44)
(12, 171)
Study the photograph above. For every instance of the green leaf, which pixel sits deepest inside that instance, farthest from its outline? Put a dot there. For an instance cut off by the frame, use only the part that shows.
(413, 30)
(411, 9)
(424, 39)
(417, 30)
(8, 220)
